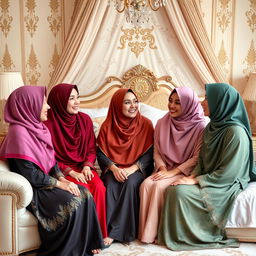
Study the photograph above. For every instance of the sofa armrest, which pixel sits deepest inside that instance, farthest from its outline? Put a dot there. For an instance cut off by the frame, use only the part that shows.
(11, 182)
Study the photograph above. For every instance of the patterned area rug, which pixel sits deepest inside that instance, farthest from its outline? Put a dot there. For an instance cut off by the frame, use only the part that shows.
(136, 248)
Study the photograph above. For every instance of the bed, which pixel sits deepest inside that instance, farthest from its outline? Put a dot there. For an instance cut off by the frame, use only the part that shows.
(153, 94)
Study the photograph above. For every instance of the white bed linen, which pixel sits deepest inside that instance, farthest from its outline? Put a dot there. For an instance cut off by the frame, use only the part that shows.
(244, 209)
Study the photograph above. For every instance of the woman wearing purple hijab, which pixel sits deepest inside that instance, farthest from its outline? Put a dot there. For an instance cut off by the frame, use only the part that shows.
(67, 220)
(178, 138)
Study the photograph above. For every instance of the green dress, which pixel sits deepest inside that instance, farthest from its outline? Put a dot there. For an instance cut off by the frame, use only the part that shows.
(194, 216)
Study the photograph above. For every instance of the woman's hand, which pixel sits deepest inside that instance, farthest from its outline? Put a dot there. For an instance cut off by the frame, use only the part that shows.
(130, 170)
(77, 176)
(163, 173)
(120, 174)
(68, 186)
(190, 180)
(87, 172)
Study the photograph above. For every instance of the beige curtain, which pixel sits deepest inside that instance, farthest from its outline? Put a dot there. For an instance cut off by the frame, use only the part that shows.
(187, 21)
(92, 50)
(86, 13)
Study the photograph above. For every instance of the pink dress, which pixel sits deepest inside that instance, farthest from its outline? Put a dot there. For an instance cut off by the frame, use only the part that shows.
(177, 144)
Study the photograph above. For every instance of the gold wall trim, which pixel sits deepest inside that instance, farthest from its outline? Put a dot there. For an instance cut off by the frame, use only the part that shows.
(5, 18)
(31, 19)
(32, 67)
(250, 60)
(251, 16)
(54, 19)
(137, 39)
(7, 62)
(55, 60)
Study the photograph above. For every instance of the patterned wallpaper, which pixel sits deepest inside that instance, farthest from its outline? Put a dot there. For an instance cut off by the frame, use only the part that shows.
(231, 26)
(32, 34)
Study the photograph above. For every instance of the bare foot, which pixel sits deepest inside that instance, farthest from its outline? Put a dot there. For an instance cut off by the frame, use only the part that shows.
(96, 251)
(108, 241)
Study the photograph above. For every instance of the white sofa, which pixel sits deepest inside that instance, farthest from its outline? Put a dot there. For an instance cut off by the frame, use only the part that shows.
(18, 227)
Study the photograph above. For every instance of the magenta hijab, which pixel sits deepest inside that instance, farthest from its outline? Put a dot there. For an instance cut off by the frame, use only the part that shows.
(28, 138)
(176, 138)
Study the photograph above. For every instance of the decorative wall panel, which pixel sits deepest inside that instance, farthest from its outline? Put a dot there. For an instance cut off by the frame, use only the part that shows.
(32, 34)
(232, 30)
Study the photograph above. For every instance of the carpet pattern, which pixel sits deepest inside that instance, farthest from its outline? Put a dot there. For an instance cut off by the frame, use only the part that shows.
(139, 249)
(136, 248)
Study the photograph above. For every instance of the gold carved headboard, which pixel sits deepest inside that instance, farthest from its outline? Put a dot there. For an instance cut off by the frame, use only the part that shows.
(148, 88)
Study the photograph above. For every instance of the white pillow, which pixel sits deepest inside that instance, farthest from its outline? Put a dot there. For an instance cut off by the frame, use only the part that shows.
(95, 112)
(152, 113)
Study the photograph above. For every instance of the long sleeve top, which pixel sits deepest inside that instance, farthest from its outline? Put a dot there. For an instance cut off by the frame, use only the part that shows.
(145, 161)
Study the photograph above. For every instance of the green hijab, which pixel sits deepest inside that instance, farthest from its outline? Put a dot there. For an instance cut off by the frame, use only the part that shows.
(226, 108)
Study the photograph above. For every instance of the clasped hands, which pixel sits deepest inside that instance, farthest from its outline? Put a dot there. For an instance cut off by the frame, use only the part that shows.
(121, 174)
(163, 173)
(85, 175)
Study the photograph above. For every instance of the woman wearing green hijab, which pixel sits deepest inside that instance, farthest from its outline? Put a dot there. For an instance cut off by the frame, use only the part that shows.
(197, 207)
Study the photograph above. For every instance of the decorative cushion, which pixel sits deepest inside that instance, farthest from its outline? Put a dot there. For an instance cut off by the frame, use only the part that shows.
(152, 113)
(95, 112)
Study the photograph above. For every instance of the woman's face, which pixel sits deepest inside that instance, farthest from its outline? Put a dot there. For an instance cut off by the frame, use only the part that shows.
(174, 105)
(130, 105)
(45, 107)
(205, 106)
(73, 102)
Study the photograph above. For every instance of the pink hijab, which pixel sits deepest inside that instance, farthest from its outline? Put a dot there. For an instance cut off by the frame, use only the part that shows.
(28, 138)
(176, 138)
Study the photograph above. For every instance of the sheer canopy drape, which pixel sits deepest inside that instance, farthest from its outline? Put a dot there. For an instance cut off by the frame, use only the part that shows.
(98, 46)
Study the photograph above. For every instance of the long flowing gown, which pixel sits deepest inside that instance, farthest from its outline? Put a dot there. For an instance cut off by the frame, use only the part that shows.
(194, 216)
(177, 142)
(123, 198)
(73, 139)
(68, 225)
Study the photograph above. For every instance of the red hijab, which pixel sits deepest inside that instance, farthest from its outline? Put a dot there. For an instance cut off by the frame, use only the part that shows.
(123, 139)
(72, 134)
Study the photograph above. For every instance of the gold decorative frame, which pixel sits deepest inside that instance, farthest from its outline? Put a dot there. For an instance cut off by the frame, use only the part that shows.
(148, 88)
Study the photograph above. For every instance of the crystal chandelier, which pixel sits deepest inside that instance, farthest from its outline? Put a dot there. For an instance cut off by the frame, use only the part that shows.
(137, 12)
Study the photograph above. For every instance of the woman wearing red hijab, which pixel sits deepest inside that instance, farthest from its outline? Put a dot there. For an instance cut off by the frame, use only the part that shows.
(67, 220)
(125, 156)
(74, 143)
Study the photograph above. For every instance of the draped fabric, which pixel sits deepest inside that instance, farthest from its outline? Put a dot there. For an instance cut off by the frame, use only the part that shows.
(121, 138)
(75, 145)
(201, 211)
(188, 24)
(176, 44)
(226, 108)
(28, 138)
(176, 138)
(72, 135)
(67, 224)
(177, 144)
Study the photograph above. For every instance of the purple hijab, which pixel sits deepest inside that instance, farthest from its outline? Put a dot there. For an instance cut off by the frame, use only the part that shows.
(176, 138)
(28, 138)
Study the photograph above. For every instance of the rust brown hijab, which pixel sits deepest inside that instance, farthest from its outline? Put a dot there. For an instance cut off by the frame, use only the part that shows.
(122, 139)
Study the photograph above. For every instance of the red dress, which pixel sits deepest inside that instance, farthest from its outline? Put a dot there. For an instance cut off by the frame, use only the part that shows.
(75, 145)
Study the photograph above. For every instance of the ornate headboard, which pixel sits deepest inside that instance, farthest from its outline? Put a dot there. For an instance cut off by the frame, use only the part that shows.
(149, 89)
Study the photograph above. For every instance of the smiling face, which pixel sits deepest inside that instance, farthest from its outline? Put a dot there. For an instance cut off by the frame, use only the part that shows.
(45, 107)
(73, 102)
(130, 105)
(205, 106)
(174, 105)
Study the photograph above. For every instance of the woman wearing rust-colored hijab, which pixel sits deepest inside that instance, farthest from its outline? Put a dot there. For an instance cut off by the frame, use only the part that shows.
(125, 156)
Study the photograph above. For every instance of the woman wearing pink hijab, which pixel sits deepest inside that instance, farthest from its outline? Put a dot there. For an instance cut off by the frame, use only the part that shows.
(178, 138)
(67, 219)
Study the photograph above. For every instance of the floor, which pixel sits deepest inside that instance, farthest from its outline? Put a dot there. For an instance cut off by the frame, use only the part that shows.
(136, 248)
